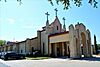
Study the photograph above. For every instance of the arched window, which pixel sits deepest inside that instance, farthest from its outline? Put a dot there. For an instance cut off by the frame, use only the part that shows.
(32, 49)
(57, 27)
(21, 51)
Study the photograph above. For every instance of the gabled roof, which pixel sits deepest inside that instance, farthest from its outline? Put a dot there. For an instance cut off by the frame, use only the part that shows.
(57, 19)
(53, 22)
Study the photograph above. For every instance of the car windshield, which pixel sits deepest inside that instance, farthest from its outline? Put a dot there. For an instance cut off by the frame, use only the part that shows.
(11, 53)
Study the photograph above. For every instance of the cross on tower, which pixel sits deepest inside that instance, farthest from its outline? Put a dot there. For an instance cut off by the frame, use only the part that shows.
(64, 19)
(47, 15)
(56, 11)
(64, 26)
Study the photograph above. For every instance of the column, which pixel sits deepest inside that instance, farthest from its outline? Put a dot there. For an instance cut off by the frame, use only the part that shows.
(49, 49)
(65, 49)
(62, 48)
(55, 49)
(72, 48)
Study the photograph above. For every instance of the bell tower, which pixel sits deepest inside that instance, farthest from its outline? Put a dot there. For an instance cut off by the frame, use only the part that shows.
(64, 26)
(47, 23)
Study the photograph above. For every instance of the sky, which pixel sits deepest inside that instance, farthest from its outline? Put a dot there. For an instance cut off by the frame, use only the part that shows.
(18, 22)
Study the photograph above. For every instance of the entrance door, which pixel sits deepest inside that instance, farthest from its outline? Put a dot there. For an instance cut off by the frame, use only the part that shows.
(65, 49)
(52, 49)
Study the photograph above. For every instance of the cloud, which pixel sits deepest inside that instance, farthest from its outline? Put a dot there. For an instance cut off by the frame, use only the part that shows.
(11, 20)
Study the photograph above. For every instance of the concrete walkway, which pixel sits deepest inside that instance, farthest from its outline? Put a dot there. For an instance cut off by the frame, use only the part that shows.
(54, 62)
(3, 64)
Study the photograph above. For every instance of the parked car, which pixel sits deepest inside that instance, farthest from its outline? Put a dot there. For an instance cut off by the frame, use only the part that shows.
(12, 55)
(98, 51)
(36, 53)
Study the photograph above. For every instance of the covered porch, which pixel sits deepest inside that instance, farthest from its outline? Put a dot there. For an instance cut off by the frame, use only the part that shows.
(59, 45)
(59, 49)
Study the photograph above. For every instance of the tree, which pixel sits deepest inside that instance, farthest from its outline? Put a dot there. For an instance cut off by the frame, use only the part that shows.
(95, 44)
(78, 3)
(2, 42)
(67, 3)
(16, 0)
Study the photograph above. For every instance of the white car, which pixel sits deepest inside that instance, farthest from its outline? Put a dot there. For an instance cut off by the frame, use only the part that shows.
(2, 54)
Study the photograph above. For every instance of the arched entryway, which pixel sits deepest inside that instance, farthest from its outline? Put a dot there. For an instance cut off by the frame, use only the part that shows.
(83, 44)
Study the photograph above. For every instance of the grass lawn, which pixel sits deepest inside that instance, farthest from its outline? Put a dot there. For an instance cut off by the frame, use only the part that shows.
(37, 58)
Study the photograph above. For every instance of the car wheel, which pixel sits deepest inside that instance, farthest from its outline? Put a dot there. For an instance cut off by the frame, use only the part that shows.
(5, 58)
(23, 57)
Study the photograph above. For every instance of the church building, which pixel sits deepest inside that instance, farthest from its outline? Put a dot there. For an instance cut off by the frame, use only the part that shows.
(54, 40)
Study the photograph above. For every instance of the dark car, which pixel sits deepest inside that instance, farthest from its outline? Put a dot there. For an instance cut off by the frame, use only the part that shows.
(98, 51)
(13, 55)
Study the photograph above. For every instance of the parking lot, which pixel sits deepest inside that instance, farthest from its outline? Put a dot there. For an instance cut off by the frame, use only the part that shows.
(52, 62)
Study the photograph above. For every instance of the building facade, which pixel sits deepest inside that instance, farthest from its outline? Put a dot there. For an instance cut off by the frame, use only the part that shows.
(54, 40)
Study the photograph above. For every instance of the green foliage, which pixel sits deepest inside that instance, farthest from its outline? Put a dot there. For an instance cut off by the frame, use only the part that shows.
(6, 0)
(98, 46)
(67, 3)
(37, 58)
(78, 3)
(2, 42)
(16, 0)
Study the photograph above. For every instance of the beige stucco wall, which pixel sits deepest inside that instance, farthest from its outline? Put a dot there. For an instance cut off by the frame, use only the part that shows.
(5, 48)
(14, 48)
(77, 35)
(28, 46)
(59, 38)
(43, 40)
(9, 48)
(34, 44)
(22, 47)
